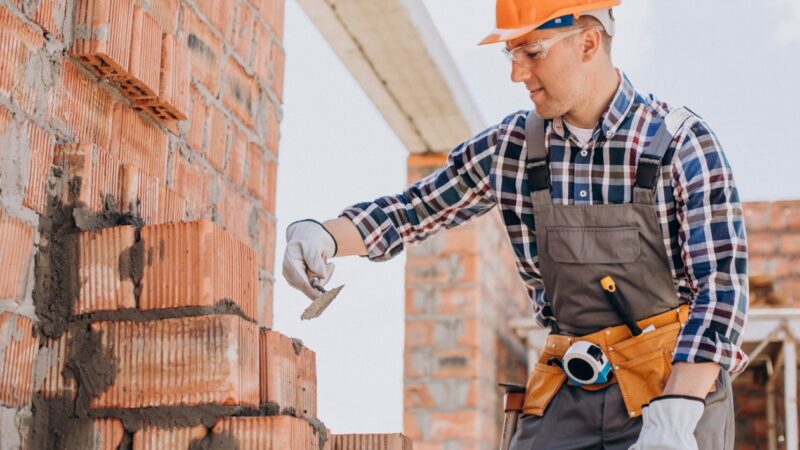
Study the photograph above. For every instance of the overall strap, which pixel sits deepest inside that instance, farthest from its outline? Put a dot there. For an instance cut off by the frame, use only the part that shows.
(649, 167)
(536, 164)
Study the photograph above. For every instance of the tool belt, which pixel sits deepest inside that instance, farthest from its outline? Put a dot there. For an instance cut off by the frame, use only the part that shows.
(641, 364)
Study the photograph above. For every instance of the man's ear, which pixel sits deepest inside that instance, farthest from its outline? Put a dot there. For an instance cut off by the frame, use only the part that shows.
(591, 42)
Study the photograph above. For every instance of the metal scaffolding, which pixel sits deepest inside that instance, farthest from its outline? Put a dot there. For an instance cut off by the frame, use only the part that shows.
(765, 326)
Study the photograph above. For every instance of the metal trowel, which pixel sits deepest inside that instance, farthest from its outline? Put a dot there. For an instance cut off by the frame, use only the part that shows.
(319, 305)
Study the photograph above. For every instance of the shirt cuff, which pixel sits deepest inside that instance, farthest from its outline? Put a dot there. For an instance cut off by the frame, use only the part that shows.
(379, 234)
(707, 345)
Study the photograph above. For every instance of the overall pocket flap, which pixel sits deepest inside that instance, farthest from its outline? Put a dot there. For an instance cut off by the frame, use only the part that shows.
(593, 245)
(542, 385)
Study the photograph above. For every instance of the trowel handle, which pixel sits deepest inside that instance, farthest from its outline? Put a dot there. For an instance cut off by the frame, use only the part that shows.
(619, 304)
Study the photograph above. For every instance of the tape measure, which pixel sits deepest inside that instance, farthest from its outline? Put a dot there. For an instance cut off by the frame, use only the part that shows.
(585, 363)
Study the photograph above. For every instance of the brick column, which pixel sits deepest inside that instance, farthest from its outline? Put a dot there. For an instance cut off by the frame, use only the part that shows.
(461, 289)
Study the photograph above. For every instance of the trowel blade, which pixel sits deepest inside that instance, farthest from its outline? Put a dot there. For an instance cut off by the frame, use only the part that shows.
(318, 306)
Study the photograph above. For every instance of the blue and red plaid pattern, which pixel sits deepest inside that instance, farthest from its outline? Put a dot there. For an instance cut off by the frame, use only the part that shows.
(697, 205)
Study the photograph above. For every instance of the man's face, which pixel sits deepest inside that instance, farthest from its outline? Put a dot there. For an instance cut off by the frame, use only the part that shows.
(556, 83)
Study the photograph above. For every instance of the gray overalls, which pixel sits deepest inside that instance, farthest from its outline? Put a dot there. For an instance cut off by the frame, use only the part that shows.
(577, 246)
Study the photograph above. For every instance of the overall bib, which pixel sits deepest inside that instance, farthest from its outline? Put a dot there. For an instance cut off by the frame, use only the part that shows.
(578, 245)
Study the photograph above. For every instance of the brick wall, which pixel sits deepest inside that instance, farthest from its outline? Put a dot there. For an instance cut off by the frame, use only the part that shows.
(461, 289)
(137, 229)
(773, 237)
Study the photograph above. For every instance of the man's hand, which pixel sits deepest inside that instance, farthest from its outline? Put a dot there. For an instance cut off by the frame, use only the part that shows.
(668, 423)
(308, 247)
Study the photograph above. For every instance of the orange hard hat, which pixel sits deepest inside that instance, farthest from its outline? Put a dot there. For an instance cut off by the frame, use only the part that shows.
(518, 17)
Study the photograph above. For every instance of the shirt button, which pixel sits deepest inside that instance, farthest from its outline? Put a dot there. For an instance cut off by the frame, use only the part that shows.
(609, 133)
(583, 193)
(584, 153)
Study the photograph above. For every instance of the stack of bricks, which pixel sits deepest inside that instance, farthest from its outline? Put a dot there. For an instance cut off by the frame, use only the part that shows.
(137, 230)
(461, 290)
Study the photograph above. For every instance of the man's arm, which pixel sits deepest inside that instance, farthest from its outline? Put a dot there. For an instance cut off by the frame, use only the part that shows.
(347, 237)
(714, 251)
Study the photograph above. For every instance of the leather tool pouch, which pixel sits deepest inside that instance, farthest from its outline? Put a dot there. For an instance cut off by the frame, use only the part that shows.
(642, 364)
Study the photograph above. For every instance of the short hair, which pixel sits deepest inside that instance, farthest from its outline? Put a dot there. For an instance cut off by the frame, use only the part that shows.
(587, 21)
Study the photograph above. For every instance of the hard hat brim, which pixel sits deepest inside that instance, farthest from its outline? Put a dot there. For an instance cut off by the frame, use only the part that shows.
(502, 35)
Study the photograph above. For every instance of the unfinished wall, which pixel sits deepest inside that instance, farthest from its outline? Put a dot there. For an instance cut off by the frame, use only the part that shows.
(461, 290)
(138, 148)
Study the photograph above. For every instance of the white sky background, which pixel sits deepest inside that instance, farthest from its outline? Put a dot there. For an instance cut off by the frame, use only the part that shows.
(734, 62)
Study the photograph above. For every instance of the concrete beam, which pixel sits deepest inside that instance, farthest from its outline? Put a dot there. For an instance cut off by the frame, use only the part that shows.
(395, 53)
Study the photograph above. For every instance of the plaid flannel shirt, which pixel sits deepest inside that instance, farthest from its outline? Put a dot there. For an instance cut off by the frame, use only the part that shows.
(697, 205)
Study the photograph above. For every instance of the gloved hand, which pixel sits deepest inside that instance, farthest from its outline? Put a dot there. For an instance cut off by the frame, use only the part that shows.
(668, 423)
(309, 245)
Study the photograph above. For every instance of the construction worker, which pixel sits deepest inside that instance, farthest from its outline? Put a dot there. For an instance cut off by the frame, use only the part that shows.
(601, 183)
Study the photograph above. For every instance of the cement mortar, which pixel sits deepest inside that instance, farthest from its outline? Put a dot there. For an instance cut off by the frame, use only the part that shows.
(222, 441)
(167, 416)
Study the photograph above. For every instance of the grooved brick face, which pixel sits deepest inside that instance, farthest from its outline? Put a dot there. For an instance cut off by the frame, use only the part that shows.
(108, 434)
(269, 433)
(196, 264)
(288, 374)
(235, 212)
(138, 142)
(243, 36)
(205, 50)
(241, 92)
(186, 361)
(83, 107)
(104, 48)
(370, 442)
(216, 151)
(56, 352)
(48, 14)
(219, 13)
(190, 182)
(154, 438)
(104, 265)
(18, 41)
(272, 11)
(18, 348)
(165, 12)
(16, 247)
(277, 61)
(197, 121)
(145, 55)
(236, 163)
(41, 147)
(92, 175)
(140, 194)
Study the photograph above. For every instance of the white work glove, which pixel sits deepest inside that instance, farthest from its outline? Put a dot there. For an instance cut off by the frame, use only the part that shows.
(309, 245)
(668, 423)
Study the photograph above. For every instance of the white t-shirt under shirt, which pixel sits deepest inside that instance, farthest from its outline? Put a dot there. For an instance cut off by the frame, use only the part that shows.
(582, 135)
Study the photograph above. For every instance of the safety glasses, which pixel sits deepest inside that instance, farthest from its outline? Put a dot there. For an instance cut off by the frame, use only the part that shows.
(526, 54)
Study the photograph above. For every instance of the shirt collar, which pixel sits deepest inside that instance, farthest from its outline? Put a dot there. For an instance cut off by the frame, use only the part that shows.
(614, 115)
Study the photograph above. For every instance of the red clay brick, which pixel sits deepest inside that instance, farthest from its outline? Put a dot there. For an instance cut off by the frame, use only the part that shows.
(205, 52)
(219, 13)
(255, 171)
(243, 36)
(108, 434)
(172, 102)
(18, 347)
(165, 12)
(790, 243)
(185, 361)
(138, 142)
(370, 442)
(93, 175)
(757, 216)
(17, 42)
(235, 211)
(265, 310)
(235, 170)
(104, 47)
(154, 438)
(139, 193)
(269, 433)
(270, 185)
(101, 257)
(16, 247)
(215, 154)
(785, 215)
(273, 128)
(197, 121)
(288, 374)
(276, 67)
(261, 60)
(41, 147)
(241, 92)
(273, 13)
(266, 242)
(140, 82)
(196, 264)
(83, 107)
(190, 182)
(54, 383)
(171, 206)
(50, 15)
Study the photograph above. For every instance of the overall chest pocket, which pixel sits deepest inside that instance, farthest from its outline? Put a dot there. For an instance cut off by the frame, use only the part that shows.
(593, 245)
